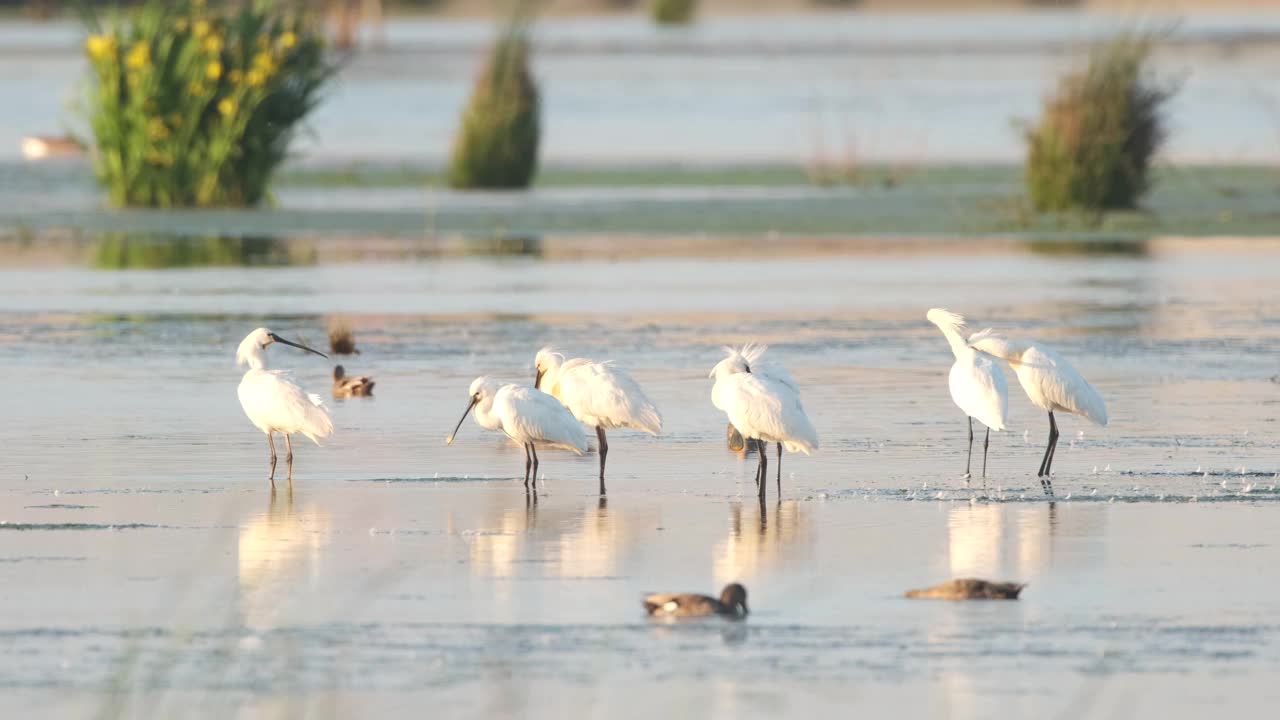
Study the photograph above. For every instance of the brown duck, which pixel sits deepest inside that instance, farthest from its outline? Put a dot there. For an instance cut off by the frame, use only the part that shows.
(732, 603)
(970, 589)
(351, 386)
(737, 443)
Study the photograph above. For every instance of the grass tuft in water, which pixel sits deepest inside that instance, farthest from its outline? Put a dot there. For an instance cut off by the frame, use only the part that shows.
(497, 145)
(1093, 146)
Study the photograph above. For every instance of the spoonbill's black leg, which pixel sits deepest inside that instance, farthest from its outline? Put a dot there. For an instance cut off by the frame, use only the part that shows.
(271, 443)
(986, 443)
(969, 458)
(779, 471)
(604, 451)
(764, 465)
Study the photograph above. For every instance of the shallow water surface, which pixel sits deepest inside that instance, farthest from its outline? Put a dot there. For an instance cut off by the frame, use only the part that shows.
(149, 570)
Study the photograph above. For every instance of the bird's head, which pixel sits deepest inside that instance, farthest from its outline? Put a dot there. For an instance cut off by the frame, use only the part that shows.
(252, 350)
(482, 388)
(546, 361)
(736, 361)
(734, 596)
(999, 346)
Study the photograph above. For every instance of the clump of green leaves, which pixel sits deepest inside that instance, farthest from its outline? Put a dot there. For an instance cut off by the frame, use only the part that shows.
(497, 145)
(196, 106)
(1093, 146)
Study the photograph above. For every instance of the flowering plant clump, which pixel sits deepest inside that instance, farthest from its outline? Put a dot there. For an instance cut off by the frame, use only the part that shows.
(196, 106)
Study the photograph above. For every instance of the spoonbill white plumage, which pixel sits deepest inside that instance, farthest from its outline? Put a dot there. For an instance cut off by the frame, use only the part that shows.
(1051, 383)
(758, 365)
(762, 407)
(978, 387)
(528, 416)
(599, 394)
(274, 402)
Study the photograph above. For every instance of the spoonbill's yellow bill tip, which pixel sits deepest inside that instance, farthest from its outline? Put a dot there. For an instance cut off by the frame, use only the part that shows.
(448, 440)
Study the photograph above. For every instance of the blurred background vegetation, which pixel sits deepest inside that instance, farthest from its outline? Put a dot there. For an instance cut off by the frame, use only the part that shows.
(191, 104)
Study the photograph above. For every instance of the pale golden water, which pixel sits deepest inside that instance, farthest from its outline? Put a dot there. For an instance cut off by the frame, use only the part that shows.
(148, 571)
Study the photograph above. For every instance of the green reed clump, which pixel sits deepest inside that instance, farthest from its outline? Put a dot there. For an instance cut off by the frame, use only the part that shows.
(1093, 146)
(497, 145)
(196, 106)
(673, 12)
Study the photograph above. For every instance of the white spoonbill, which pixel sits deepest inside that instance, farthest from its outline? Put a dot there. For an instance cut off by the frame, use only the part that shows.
(1051, 383)
(763, 408)
(274, 402)
(978, 387)
(599, 394)
(528, 416)
(756, 364)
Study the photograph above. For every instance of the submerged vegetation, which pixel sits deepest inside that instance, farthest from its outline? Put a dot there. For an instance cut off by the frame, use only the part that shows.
(192, 105)
(673, 12)
(1093, 146)
(497, 145)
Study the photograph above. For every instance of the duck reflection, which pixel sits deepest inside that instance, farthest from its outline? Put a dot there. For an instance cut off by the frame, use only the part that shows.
(280, 554)
(759, 539)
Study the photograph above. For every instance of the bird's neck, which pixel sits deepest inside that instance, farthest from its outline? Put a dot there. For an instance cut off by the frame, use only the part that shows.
(958, 346)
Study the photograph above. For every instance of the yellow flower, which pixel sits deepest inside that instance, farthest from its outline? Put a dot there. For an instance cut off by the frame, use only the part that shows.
(288, 40)
(226, 106)
(234, 77)
(262, 61)
(139, 56)
(201, 28)
(99, 46)
(213, 70)
(213, 44)
(156, 129)
(256, 78)
(180, 24)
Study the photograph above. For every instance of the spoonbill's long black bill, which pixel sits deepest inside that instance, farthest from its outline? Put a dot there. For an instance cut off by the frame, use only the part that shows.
(474, 399)
(300, 346)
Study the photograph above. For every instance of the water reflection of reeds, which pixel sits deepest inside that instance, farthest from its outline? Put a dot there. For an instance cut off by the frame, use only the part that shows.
(119, 251)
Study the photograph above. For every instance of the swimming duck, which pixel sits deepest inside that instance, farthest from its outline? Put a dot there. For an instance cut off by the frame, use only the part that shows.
(970, 589)
(732, 602)
(354, 386)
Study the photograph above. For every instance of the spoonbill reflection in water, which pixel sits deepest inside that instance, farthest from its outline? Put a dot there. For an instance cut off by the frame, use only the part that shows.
(762, 407)
(274, 402)
(978, 387)
(599, 394)
(528, 416)
(1051, 383)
